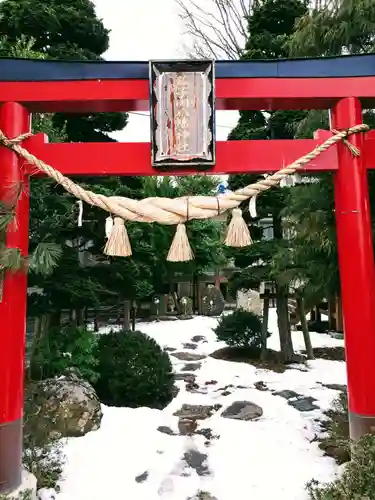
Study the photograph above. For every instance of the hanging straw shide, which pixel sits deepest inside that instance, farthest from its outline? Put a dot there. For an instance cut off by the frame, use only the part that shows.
(118, 244)
(180, 250)
(238, 234)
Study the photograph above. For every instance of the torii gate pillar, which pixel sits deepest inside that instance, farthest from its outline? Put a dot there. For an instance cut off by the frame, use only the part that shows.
(14, 121)
(357, 270)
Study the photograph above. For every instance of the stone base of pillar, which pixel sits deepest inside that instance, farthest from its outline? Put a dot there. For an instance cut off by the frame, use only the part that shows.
(360, 425)
(27, 490)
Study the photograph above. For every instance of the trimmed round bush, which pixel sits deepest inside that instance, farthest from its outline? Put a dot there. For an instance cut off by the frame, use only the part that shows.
(134, 371)
(240, 329)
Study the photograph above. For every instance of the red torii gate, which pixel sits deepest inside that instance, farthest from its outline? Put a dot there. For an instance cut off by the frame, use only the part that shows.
(342, 85)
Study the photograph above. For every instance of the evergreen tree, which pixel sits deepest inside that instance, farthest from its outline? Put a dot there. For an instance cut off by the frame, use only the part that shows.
(310, 207)
(270, 24)
(64, 29)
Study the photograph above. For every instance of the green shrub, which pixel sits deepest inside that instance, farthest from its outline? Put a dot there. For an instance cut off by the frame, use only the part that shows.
(62, 349)
(133, 371)
(240, 329)
(336, 443)
(357, 480)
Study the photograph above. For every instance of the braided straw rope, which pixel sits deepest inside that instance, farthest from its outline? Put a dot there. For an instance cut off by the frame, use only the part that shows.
(178, 210)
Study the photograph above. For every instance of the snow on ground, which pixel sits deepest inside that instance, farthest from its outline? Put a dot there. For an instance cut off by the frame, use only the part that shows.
(272, 457)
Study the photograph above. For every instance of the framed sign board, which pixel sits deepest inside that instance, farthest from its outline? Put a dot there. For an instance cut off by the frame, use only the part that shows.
(182, 110)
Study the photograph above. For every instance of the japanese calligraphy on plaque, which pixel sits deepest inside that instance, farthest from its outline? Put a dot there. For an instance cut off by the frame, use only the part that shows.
(182, 113)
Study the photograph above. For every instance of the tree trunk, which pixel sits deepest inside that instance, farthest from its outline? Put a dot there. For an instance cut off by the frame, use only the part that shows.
(339, 317)
(305, 330)
(286, 344)
(80, 317)
(266, 308)
(34, 343)
(331, 315)
(126, 320)
(198, 292)
(56, 319)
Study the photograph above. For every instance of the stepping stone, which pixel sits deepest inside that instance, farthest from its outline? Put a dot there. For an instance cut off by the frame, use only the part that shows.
(188, 356)
(261, 386)
(197, 461)
(207, 433)
(196, 412)
(191, 367)
(193, 387)
(166, 430)
(186, 377)
(198, 338)
(142, 477)
(202, 495)
(304, 404)
(243, 410)
(189, 345)
(187, 426)
(287, 394)
(226, 393)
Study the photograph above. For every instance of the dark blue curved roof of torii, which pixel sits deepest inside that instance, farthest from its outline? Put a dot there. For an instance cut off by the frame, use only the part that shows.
(26, 70)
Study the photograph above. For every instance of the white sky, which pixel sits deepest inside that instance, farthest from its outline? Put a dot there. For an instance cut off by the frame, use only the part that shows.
(142, 30)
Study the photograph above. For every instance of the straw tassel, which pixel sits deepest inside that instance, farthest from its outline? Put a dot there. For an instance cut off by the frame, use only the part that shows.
(108, 226)
(180, 250)
(238, 234)
(118, 244)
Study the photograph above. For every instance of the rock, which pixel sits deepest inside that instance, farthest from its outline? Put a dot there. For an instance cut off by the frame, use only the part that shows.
(65, 407)
(260, 386)
(225, 388)
(243, 410)
(187, 426)
(202, 495)
(197, 461)
(192, 387)
(226, 393)
(47, 494)
(190, 345)
(165, 318)
(186, 306)
(211, 382)
(191, 366)
(198, 338)
(142, 477)
(188, 356)
(213, 302)
(186, 377)
(304, 404)
(207, 433)
(196, 412)
(166, 430)
(170, 349)
(250, 301)
(287, 394)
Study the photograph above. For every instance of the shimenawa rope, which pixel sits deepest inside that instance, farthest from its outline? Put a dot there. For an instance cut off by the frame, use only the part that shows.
(179, 210)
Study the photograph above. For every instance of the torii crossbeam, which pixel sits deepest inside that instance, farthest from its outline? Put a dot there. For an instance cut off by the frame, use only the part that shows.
(341, 84)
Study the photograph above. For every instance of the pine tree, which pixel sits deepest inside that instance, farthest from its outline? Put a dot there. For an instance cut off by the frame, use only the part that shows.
(270, 24)
(64, 29)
